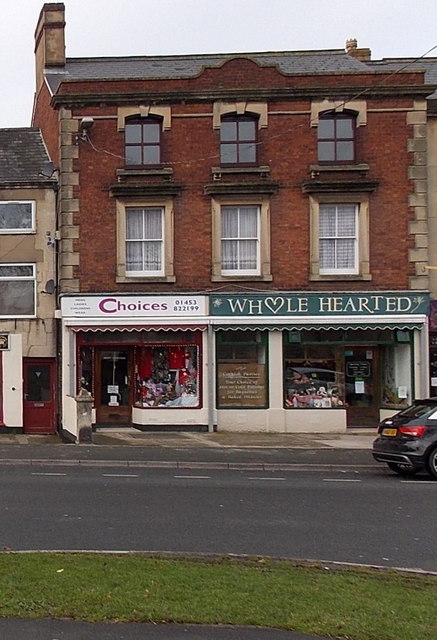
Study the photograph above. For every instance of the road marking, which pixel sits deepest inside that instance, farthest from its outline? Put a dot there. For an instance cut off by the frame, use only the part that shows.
(194, 477)
(120, 475)
(340, 480)
(418, 482)
(259, 478)
(35, 473)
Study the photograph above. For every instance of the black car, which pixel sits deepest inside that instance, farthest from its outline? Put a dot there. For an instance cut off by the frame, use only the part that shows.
(407, 442)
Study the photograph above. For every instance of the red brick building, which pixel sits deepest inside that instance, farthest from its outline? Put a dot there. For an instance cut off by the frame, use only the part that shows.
(242, 236)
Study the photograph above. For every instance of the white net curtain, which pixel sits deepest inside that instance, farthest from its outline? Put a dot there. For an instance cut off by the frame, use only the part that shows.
(240, 238)
(338, 237)
(144, 240)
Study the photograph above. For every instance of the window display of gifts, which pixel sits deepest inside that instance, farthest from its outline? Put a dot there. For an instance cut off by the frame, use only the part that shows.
(319, 398)
(167, 376)
(160, 364)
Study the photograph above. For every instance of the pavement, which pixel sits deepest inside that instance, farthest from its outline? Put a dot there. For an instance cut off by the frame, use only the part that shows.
(181, 449)
(360, 438)
(351, 439)
(131, 447)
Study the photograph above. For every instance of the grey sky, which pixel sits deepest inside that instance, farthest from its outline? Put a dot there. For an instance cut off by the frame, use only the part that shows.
(390, 28)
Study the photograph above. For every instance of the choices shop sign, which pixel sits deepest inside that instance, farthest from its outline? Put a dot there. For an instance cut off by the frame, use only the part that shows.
(116, 306)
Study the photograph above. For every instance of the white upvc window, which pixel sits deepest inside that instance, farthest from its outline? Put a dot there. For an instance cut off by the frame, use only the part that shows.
(240, 240)
(144, 241)
(17, 290)
(17, 216)
(338, 238)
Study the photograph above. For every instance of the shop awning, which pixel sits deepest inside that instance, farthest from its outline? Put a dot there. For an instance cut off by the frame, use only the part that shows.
(137, 327)
(336, 327)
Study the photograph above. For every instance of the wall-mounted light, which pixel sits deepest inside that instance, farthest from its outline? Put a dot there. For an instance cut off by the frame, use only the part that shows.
(84, 126)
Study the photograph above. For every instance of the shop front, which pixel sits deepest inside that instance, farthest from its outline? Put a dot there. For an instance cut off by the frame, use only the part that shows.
(302, 362)
(317, 361)
(433, 348)
(139, 357)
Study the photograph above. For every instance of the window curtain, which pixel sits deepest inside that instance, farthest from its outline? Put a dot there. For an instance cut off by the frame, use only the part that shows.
(144, 241)
(338, 237)
(239, 238)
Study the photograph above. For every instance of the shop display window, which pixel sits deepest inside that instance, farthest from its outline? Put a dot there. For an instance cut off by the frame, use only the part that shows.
(242, 369)
(396, 376)
(167, 376)
(161, 368)
(433, 364)
(86, 369)
(312, 379)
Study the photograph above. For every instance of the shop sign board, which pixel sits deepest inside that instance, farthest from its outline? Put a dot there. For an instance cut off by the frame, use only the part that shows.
(140, 306)
(358, 369)
(374, 303)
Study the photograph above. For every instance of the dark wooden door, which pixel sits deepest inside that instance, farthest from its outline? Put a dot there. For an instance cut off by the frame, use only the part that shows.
(39, 395)
(362, 393)
(112, 388)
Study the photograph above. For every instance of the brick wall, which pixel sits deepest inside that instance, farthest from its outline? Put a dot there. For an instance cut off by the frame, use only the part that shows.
(288, 145)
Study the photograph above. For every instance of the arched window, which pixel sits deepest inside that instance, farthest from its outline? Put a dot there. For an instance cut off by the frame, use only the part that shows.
(238, 139)
(336, 137)
(142, 141)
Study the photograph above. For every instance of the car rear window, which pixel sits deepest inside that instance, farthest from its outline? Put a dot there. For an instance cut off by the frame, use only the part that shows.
(417, 410)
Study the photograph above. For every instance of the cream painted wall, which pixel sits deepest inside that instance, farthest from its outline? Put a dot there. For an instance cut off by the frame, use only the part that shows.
(32, 337)
(13, 382)
(38, 335)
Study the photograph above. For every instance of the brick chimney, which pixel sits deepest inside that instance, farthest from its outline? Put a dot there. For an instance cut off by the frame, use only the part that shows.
(49, 39)
(359, 54)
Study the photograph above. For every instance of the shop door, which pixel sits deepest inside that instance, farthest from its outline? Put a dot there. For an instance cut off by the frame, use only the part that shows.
(112, 389)
(39, 414)
(361, 367)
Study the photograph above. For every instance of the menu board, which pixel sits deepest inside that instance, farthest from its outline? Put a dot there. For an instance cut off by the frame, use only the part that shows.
(242, 385)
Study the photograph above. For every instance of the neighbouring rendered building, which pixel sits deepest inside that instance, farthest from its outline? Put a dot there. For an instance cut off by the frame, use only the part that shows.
(243, 237)
(27, 284)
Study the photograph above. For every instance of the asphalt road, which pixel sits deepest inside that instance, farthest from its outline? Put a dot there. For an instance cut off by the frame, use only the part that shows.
(365, 517)
(12, 629)
(183, 454)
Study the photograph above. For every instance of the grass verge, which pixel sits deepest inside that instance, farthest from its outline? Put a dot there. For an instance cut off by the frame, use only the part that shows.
(356, 604)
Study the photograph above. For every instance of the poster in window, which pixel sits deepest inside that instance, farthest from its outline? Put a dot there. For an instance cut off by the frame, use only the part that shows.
(242, 385)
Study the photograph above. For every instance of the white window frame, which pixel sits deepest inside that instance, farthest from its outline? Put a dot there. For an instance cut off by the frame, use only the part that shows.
(241, 239)
(336, 239)
(362, 271)
(166, 273)
(17, 230)
(27, 278)
(263, 270)
(144, 241)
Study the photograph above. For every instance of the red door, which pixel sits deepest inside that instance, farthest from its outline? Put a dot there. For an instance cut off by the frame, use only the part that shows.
(39, 395)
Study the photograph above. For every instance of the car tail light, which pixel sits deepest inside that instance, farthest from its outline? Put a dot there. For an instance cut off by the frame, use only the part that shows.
(416, 432)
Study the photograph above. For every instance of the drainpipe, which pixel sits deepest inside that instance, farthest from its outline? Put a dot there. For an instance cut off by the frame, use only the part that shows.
(211, 381)
(424, 360)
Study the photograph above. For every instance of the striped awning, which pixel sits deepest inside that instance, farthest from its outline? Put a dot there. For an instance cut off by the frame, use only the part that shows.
(336, 327)
(94, 328)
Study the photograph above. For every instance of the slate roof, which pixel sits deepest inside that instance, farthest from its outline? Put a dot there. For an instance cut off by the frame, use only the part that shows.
(23, 157)
(429, 65)
(190, 66)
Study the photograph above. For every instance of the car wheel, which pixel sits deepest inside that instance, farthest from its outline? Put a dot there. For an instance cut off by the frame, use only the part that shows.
(431, 463)
(403, 469)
